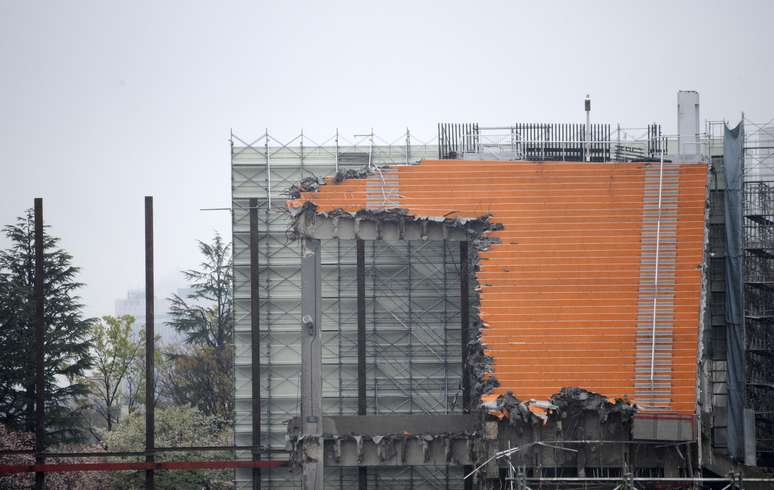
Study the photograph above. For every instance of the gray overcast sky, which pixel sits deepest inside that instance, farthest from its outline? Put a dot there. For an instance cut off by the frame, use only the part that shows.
(104, 102)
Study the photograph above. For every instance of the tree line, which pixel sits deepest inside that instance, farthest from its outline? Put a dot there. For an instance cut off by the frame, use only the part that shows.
(95, 367)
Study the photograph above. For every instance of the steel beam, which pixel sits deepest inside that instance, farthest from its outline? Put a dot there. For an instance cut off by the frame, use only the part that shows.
(465, 321)
(394, 228)
(465, 337)
(362, 471)
(255, 334)
(311, 365)
(149, 345)
(40, 334)
(375, 425)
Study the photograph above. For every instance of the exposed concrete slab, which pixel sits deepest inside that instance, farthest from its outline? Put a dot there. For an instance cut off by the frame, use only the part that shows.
(379, 228)
(663, 427)
(376, 425)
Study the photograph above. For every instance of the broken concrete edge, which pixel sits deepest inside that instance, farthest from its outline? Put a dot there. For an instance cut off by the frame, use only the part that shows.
(307, 449)
(313, 183)
(570, 401)
(304, 213)
(568, 409)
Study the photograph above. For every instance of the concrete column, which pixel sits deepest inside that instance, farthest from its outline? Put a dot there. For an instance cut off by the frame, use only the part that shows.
(311, 365)
(688, 122)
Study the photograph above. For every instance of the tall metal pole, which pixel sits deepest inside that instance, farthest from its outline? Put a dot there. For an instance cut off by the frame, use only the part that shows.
(408, 146)
(465, 338)
(311, 364)
(40, 333)
(337, 150)
(149, 345)
(587, 106)
(255, 334)
(362, 471)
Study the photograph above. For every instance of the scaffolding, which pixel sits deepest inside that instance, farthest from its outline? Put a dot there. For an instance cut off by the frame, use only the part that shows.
(759, 284)
(412, 290)
(412, 287)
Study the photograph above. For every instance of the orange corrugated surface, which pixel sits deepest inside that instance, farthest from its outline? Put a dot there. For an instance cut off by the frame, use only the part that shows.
(560, 291)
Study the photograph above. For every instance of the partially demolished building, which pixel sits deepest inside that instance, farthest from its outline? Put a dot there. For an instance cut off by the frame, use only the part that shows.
(504, 306)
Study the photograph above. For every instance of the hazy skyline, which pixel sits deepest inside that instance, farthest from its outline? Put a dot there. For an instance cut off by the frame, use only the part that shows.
(103, 102)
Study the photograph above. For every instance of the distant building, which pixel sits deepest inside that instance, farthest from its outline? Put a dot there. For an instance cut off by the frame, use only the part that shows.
(134, 304)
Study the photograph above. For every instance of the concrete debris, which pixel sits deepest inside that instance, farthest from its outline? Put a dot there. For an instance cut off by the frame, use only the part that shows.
(307, 184)
(569, 403)
(301, 210)
(359, 173)
(480, 365)
(304, 449)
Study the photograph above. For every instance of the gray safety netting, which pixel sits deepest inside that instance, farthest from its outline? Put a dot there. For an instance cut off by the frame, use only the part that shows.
(733, 159)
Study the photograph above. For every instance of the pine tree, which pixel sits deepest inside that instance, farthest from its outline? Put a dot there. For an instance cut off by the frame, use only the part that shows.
(67, 343)
(202, 374)
(205, 316)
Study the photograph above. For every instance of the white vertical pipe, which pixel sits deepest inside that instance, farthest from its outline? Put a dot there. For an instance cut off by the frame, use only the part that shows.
(588, 128)
(408, 146)
(371, 148)
(655, 275)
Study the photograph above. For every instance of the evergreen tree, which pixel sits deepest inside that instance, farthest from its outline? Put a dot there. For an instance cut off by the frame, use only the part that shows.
(202, 373)
(205, 316)
(67, 342)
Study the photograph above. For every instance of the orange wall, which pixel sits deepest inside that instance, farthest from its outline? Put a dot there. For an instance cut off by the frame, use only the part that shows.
(559, 292)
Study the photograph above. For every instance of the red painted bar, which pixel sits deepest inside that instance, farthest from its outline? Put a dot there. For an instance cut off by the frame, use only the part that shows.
(161, 465)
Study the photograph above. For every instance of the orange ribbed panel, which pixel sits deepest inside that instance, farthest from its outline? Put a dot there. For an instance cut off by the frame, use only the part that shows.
(560, 291)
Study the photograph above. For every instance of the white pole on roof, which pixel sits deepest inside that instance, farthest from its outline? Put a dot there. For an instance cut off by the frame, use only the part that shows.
(587, 105)
(655, 275)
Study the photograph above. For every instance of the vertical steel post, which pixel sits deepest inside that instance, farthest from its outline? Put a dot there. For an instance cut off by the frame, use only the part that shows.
(362, 471)
(40, 334)
(587, 132)
(337, 150)
(408, 146)
(311, 365)
(465, 321)
(149, 345)
(465, 338)
(255, 336)
(267, 159)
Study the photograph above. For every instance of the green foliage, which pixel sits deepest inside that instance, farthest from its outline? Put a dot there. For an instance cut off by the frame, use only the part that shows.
(67, 335)
(202, 373)
(199, 377)
(134, 386)
(181, 426)
(205, 315)
(115, 352)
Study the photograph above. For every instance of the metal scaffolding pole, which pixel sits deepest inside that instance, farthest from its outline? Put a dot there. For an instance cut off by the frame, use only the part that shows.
(255, 325)
(362, 472)
(465, 337)
(465, 322)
